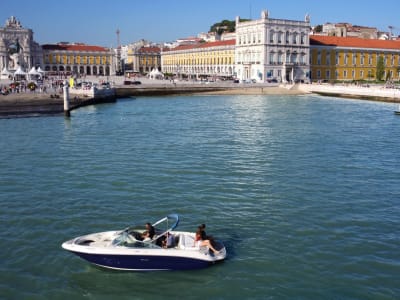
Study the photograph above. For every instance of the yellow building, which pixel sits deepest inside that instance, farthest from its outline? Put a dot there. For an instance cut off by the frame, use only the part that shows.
(348, 58)
(214, 59)
(144, 59)
(77, 59)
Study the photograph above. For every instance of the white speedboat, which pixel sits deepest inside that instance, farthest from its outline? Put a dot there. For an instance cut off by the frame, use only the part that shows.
(124, 249)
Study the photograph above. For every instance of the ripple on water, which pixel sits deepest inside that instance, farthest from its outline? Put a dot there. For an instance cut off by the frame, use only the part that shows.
(303, 191)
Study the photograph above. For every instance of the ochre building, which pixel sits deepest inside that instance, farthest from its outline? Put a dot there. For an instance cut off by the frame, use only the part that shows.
(349, 58)
(202, 60)
(80, 59)
(144, 59)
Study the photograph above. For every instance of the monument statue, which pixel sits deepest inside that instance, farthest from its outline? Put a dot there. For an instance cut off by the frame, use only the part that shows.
(14, 50)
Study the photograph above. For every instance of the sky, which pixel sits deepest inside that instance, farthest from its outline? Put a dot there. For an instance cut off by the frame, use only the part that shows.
(95, 22)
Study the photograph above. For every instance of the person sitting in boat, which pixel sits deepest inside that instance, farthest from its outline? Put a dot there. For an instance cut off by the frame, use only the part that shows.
(149, 233)
(199, 242)
(169, 241)
(204, 235)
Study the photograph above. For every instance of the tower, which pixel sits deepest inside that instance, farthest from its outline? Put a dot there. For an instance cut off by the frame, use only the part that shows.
(118, 66)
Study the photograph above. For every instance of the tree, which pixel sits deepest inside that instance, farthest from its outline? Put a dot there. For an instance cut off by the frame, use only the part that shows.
(318, 28)
(223, 26)
(380, 68)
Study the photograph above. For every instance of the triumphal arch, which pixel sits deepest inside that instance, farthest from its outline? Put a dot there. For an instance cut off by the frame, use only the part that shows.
(17, 47)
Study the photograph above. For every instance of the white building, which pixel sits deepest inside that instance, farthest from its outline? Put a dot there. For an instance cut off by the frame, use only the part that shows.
(17, 47)
(272, 49)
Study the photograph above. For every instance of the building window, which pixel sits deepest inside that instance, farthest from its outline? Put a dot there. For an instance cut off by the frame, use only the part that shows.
(318, 74)
(271, 36)
(280, 58)
(302, 58)
(337, 58)
(346, 58)
(318, 57)
(271, 58)
(328, 58)
(354, 59)
(369, 59)
(344, 74)
(302, 38)
(362, 59)
(295, 38)
(287, 37)
(280, 37)
(328, 74)
(361, 74)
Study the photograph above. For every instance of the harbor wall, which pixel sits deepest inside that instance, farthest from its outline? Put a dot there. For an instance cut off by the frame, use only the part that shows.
(376, 93)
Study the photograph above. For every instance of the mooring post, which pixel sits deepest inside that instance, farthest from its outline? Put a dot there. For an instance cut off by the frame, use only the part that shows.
(67, 112)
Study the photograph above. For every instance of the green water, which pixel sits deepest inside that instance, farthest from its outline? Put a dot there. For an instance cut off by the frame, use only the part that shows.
(304, 192)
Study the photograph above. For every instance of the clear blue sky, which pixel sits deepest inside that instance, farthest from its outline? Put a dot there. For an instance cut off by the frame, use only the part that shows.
(96, 21)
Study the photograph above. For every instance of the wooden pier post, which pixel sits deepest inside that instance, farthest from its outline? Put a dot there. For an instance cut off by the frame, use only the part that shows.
(67, 111)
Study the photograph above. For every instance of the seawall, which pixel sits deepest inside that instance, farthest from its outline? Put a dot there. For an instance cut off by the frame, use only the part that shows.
(373, 92)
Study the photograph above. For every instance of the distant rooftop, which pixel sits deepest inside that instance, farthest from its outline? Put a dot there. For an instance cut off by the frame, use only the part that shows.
(74, 47)
(353, 42)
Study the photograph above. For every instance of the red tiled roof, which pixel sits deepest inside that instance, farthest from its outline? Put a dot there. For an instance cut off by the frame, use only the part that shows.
(74, 47)
(204, 45)
(149, 50)
(218, 43)
(353, 42)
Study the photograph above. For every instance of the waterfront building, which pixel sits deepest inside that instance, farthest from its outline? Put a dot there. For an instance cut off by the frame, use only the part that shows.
(143, 59)
(272, 49)
(80, 59)
(348, 58)
(17, 47)
(201, 60)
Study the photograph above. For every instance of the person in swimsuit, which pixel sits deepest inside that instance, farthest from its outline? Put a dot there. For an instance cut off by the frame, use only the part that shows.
(198, 240)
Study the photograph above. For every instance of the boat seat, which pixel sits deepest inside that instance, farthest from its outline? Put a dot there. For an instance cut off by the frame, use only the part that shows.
(186, 242)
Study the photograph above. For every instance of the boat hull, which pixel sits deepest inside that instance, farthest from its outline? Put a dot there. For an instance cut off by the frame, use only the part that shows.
(143, 262)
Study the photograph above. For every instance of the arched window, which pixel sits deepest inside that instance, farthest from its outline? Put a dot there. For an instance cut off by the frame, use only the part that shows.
(271, 36)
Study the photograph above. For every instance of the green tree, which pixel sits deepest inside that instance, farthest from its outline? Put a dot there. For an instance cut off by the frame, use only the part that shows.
(318, 28)
(223, 26)
(380, 68)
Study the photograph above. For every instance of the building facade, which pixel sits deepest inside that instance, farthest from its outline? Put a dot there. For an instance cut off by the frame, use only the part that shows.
(144, 59)
(201, 60)
(17, 47)
(78, 59)
(272, 49)
(350, 59)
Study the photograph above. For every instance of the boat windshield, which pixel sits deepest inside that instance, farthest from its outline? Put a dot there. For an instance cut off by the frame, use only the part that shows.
(161, 227)
(124, 239)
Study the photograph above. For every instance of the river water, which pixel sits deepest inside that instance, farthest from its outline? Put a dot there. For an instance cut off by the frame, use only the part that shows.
(303, 190)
